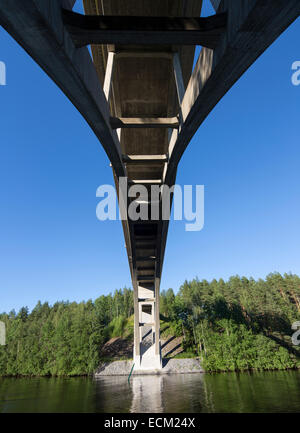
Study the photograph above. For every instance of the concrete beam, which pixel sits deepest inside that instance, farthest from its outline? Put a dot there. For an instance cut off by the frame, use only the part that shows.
(144, 159)
(178, 78)
(126, 30)
(145, 181)
(137, 334)
(157, 317)
(145, 259)
(108, 75)
(145, 268)
(144, 54)
(147, 122)
(146, 278)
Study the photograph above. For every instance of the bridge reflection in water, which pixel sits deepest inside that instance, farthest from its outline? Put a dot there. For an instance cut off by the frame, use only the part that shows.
(200, 393)
(147, 394)
(153, 394)
(178, 393)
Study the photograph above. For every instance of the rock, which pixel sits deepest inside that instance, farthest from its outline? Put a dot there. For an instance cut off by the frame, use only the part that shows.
(170, 366)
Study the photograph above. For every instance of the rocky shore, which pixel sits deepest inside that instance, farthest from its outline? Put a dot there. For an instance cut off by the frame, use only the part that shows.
(170, 366)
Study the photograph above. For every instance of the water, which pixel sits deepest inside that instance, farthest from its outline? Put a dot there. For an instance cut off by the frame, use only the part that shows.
(228, 392)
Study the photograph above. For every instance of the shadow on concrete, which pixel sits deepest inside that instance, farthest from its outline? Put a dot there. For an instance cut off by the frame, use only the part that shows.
(173, 349)
(168, 341)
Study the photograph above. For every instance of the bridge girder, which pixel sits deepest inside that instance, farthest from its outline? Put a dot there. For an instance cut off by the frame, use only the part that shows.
(41, 28)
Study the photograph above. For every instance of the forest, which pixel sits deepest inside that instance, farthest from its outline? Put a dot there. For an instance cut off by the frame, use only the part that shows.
(235, 325)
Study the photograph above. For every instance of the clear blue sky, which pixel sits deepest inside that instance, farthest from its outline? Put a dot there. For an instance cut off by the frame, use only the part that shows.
(247, 155)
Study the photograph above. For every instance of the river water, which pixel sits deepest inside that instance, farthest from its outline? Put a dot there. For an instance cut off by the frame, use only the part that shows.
(225, 392)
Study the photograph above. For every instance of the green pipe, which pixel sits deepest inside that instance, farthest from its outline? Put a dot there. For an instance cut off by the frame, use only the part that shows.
(130, 373)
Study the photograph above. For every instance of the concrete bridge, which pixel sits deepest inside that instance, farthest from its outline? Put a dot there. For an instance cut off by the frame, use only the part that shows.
(142, 98)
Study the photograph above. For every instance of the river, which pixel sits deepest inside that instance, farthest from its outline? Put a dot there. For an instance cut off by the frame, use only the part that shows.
(224, 392)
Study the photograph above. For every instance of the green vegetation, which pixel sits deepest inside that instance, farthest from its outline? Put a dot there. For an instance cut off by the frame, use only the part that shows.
(64, 339)
(235, 325)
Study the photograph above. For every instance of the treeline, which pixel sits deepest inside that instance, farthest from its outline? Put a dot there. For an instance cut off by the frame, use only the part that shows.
(64, 339)
(234, 325)
(239, 324)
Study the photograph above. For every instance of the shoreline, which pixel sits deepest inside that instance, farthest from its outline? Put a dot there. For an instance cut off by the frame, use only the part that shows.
(96, 374)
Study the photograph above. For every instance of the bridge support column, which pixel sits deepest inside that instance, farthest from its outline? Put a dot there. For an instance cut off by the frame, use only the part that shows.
(157, 319)
(137, 334)
(146, 352)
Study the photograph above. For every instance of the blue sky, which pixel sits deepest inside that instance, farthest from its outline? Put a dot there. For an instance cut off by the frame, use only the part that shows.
(246, 153)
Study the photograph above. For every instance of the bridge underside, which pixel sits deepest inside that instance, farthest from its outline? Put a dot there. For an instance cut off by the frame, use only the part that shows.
(142, 98)
(144, 104)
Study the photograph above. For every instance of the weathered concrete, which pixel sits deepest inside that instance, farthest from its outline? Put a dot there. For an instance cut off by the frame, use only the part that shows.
(169, 366)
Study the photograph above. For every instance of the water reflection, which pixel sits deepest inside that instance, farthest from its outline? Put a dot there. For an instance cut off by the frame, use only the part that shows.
(147, 394)
(254, 392)
(229, 392)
